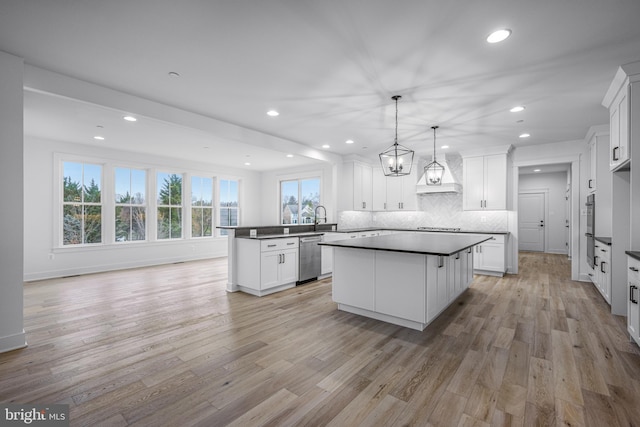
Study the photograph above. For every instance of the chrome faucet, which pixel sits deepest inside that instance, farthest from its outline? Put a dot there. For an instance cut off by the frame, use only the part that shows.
(317, 219)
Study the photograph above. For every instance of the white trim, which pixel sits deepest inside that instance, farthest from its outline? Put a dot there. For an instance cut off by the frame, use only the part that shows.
(545, 193)
(13, 342)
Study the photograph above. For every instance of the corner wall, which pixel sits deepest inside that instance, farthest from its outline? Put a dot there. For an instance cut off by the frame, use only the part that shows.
(12, 335)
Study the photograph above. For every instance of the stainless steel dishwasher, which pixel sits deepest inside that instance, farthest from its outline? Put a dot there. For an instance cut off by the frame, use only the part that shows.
(310, 257)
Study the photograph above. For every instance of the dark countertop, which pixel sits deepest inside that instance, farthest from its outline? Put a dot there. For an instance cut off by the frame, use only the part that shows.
(445, 244)
(357, 230)
(605, 240)
(633, 254)
(282, 236)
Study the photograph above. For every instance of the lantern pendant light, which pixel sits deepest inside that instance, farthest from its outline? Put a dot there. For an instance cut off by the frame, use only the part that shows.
(396, 160)
(434, 171)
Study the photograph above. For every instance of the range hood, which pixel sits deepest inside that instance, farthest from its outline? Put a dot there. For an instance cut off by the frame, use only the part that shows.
(449, 184)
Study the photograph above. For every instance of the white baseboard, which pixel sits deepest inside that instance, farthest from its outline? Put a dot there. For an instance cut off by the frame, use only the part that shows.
(13, 342)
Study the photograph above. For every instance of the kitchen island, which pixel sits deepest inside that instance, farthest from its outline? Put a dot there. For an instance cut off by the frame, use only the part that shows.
(404, 279)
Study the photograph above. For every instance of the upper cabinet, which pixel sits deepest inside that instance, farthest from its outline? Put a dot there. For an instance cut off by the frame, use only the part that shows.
(598, 146)
(620, 99)
(394, 193)
(485, 181)
(356, 187)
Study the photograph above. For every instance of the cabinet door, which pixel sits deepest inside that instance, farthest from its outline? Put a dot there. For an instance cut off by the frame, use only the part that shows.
(379, 190)
(473, 187)
(495, 182)
(437, 290)
(394, 193)
(288, 269)
(326, 260)
(353, 277)
(401, 296)
(593, 166)
(362, 195)
(409, 197)
(269, 266)
(492, 257)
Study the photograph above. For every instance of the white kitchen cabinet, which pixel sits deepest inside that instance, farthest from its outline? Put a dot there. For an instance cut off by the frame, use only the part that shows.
(602, 270)
(401, 192)
(485, 183)
(633, 295)
(394, 193)
(379, 190)
(592, 180)
(490, 257)
(355, 287)
(267, 266)
(355, 187)
(621, 99)
(406, 298)
(438, 295)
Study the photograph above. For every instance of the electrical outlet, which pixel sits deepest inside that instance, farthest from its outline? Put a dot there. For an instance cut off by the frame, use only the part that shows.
(253, 232)
(286, 231)
(483, 219)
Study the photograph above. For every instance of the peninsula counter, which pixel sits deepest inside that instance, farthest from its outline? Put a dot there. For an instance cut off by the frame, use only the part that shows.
(404, 279)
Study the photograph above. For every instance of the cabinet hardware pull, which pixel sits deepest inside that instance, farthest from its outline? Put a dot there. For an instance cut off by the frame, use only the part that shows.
(440, 261)
(271, 246)
(633, 269)
(602, 267)
(631, 289)
(291, 243)
(615, 154)
(590, 183)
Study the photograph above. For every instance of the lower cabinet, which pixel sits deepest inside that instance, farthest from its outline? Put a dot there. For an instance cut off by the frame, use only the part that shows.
(401, 288)
(490, 257)
(633, 295)
(601, 277)
(267, 266)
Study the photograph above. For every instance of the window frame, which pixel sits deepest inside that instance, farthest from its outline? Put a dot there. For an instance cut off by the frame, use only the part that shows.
(298, 177)
(214, 183)
(170, 206)
(58, 192)
(238, 208)
(145, 205)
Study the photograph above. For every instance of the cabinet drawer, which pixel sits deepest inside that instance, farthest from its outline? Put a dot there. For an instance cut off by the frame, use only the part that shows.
(279, 244)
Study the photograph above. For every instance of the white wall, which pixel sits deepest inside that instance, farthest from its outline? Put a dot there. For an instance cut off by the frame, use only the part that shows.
(43, 259)
(12, 334)
(555, 186)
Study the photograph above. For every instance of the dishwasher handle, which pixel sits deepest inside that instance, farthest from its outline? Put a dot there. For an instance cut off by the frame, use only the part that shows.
(314, 239)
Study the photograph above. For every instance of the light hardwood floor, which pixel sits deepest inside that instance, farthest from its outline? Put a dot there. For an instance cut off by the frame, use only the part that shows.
(168, 346)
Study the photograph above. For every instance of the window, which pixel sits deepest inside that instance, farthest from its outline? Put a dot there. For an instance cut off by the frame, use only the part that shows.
(299, 200)
(228, 204)
(81, 203)
(130, 204)
(201, 206)
(169, 191)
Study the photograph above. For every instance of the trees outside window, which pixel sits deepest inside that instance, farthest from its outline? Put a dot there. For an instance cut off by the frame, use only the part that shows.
(130, 204)
(81, 203)
(201, 206)
(299, 198)
(169, 205)
(229, 209)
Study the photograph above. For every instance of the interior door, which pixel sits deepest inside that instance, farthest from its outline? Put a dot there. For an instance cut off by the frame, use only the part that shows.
(531, 222)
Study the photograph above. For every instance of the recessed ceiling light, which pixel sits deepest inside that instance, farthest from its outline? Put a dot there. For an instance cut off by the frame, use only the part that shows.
(326, 146)
(289, 155)
(247, 164)
(173, 74)
(272, 113)
(537, 170)
(498, 36)
(524, 135)
(349, 141)
(444, 146)
(517, 109)
(99, 138)
(130, 118)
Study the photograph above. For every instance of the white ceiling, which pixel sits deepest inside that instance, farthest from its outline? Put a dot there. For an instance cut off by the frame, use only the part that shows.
(330, 68)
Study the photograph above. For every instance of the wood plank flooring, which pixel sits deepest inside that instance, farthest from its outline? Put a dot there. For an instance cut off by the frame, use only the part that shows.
(168, 346)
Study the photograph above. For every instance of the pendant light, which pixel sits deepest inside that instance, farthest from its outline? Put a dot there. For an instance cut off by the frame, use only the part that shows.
(433, 171)
(396, 160)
